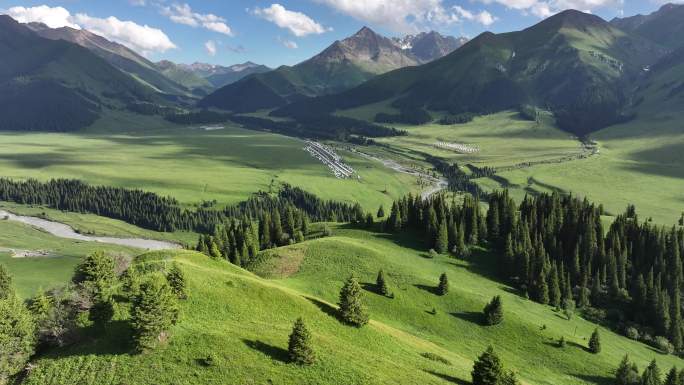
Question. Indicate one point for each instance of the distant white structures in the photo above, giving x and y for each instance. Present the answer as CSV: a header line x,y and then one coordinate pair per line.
x,y
458,147
328,156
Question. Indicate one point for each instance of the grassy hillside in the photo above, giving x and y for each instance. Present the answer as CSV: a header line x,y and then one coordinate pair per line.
x,y
242,322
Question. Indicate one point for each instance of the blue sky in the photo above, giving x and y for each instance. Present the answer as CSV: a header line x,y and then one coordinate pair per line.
x,y
289,31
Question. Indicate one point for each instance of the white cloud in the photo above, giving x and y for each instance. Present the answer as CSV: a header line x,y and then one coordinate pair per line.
x,y
485,18
398,15
297,23
288,43
183,14
546,8
210,46
56,17
141,38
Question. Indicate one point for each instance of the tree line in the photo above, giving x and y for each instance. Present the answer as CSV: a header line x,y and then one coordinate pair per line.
x,y
154,212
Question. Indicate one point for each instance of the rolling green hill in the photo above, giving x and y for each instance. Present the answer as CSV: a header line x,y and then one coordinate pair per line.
x,y
66,83
573,63
235,324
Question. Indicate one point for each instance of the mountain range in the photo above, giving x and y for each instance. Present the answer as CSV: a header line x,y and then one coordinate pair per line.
x,y
343,65
577,65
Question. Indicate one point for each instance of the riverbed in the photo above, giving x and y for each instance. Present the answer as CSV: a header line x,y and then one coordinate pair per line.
x,y
62,230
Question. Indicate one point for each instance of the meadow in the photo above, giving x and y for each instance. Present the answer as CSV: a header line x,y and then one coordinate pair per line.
x,y
234,325
191,164
33,273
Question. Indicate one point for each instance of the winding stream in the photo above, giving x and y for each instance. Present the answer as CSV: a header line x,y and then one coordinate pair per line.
x,y
62,230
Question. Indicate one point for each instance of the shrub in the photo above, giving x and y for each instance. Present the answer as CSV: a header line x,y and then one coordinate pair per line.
x,y
664,345
632,333
436,358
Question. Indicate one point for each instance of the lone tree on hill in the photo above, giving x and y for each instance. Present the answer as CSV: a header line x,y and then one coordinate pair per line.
x,y
352,310
493,311
443,286
595,342
155,310
299,346
381,285
176,280
488,369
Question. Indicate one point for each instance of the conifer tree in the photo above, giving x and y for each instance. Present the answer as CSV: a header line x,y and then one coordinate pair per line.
x,y
154,311
651,375
493,311
277,231
542,289
381,285
626,373
17,336
40,305
102,310
461,249
352,309
176,279
672,377
442,238
5,283
555,296
381,212
595,342
299,346
509,378
443,286
488,369
97,268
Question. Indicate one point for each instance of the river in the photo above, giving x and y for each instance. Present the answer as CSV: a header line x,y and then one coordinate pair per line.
x,y
62,230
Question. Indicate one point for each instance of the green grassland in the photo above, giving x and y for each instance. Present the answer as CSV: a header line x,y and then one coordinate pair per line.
x,y
242,321
31,273
640,163
191,165
503,139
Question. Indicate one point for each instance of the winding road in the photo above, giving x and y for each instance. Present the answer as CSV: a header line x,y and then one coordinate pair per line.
x,y
62,230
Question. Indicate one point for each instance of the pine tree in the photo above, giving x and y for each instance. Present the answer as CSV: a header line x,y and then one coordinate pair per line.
x,y
5,283
381,212
40,305
672,377
352,310
651,375
381,285
176,279
493,311
595,342
626,373
555,296
542,289
17,337
154,311
97,268
442,238
443,286
461,249
277,232
509,378
299,346
488,369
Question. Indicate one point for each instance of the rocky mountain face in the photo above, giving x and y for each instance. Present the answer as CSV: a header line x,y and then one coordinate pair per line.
x,y
664,27
429,46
